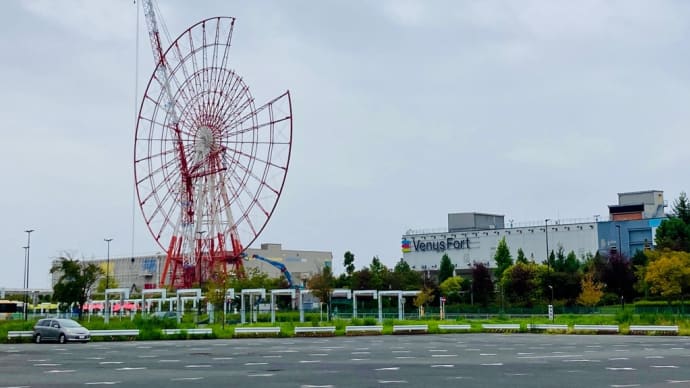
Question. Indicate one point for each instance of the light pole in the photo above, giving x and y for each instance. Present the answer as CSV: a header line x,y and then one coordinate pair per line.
x,y
551,287
26,283
107,265
200,248
546,229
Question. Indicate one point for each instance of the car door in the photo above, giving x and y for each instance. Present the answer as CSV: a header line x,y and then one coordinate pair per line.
x,y
53,330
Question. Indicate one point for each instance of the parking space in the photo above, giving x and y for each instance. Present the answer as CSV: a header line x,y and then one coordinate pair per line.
x,y
416,360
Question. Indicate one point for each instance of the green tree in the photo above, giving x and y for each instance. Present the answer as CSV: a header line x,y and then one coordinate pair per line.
x,y
446,269
405,278
422,299
521,284
681,208
218,286
521,257
673,234
379,273
668,273
321,285
349,263
502,258
112,283
571,264
451,288
75,281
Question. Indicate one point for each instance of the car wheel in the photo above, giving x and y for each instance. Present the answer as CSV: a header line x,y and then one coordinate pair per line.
x,y
62,339
37,339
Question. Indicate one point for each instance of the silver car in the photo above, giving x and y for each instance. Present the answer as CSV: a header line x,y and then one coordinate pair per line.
x,y
60,330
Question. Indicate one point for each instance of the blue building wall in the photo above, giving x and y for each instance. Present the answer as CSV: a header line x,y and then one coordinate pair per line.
x,y
626,236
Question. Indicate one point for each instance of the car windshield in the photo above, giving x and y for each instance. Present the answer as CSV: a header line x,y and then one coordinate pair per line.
x,y
69,324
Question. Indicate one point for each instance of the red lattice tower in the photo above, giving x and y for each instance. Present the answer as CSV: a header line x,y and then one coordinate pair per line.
x,y
209,165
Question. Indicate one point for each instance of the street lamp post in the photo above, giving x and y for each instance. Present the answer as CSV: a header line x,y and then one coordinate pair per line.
x,y
546,229
24,281
199,259
107,265
26,275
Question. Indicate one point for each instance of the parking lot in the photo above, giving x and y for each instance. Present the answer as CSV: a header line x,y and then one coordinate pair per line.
x,y
475,360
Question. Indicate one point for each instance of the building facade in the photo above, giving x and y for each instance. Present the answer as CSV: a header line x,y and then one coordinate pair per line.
x,y
473,237
144,272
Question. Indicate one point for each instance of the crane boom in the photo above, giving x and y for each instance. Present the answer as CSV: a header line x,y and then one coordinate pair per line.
x,y
283,269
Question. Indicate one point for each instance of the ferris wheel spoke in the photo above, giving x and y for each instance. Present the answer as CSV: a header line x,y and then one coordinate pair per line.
x,y
239,203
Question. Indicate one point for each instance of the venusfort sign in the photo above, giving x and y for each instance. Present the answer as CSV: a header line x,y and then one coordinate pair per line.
x,y
439,246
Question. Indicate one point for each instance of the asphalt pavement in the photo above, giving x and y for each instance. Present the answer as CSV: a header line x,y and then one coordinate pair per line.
x,y
467,360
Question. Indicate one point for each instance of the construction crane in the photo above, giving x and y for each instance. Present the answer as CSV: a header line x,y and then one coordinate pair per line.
x,y
283,269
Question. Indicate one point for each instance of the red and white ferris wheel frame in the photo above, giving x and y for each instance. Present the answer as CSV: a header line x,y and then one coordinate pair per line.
x,y
209,166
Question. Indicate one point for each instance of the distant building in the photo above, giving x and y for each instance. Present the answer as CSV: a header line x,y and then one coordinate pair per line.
x,y
473,237
143,272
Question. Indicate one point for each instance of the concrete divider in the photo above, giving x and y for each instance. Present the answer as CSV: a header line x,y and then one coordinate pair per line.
x,y
455,327
597,328
256,331
363,329
653,329
409,329
315,330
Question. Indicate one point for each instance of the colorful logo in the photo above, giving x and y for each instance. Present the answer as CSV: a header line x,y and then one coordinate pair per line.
x,y
406,245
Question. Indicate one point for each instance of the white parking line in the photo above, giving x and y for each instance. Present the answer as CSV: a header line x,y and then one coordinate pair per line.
x,y
47,364
625,368
677,381
443,366
186,378
103,383
389,368
132,368
168,360
493,364
444,355
624,385
231,358
392,381
197,366
60,371
317,386
255,363
664,366
110,362
309,361
261,375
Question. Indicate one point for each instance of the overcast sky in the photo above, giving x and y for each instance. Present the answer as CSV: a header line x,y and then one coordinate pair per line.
x,y
404,111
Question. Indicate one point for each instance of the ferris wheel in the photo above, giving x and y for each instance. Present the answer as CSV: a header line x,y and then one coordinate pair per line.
x,y
209,164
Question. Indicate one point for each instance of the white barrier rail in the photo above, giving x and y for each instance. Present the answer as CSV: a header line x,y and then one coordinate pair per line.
x,y
257,330
540,326
410,328
363,329
455,327
652,328
19,334
114,333
597,328
315,329
504,326
205,331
